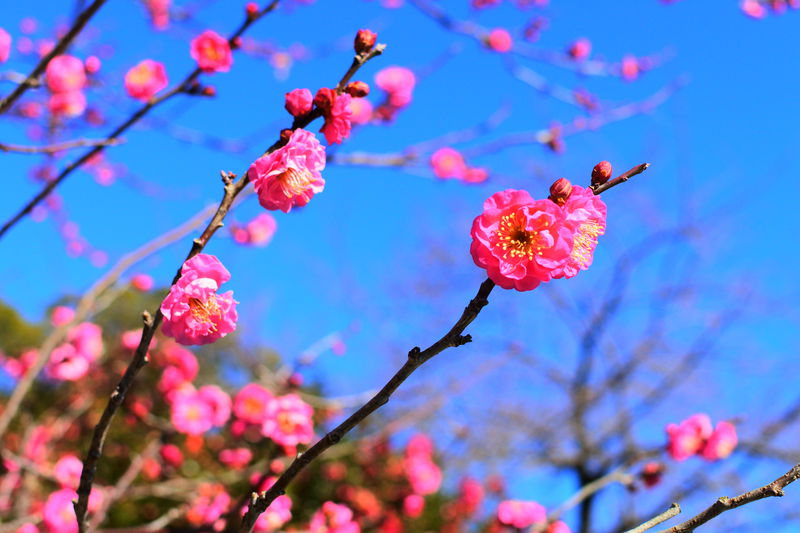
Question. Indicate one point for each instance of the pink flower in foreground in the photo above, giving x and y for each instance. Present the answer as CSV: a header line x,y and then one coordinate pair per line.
x,y
499,40
398,82
211,502
298,102
250,403
721,443
333,518
190,413
448,163
288,421
336,111
193,311
145,79
688,437
142,282
67,471
5,45
65,73
586,218
67,104
235,458
558,527
219,402
520,514
290,176
520,241
212,52
61,315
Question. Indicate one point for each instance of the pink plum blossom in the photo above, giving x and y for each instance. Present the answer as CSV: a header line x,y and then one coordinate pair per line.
x,y
65,73
159,12
58,515
558,527
235,458
398,82
92,64
361,111
448,163
419,445
145,79
298,102
580,49
37,445
212,52
290,176
470,495
18,367
688,437
67,104
333,518
288,421
336,112
250,403
721,443
209,504
423,474
630,68
257,232
142,282
499,40
277,514
172,455
219,402
586,217
71,361
413,505
5,45
67,471
194,313
520,241
61,315
190,413
520,514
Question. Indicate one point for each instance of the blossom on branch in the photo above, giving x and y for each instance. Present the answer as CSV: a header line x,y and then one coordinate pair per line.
x,y
333,518
520,514
193,311
212,52
299,102
288,421
336,111
586,218
145,79
290,176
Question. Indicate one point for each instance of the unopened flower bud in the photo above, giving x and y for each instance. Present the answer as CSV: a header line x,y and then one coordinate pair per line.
x,y
560,191
236,43
601,173
251,9
365,40
651,473
357,89
209,90
285,135
324,99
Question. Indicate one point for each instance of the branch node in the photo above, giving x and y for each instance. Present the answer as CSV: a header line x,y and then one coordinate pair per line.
x,y
414,353
461,340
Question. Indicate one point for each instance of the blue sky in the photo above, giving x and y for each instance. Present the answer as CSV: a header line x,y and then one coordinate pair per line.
x,y
723,151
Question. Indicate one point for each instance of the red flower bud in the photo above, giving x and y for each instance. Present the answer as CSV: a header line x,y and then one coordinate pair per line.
x,y
236,43
601,173
560,191
324,100
251,9
285,135
357,89
209,90
365,40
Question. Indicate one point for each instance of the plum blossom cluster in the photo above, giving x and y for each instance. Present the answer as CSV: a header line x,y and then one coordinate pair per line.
x,y
65,77
333,518
449,163
145,79
522,242
697,436
520,514
758,9
286,419
423,474
72,360
194,313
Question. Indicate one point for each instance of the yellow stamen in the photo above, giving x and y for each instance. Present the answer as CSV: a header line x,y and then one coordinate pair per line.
x,y
295,181
205,312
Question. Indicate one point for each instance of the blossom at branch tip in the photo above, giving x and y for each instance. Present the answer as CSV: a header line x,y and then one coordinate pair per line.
x,y
586,219
580,49
65,73
398,82
194,313
520,241
333,518
336,112
212,52
520,514
142,282
145,79
688,437
290,176
5,45
288,421
721,443
499,40
298,102
61,315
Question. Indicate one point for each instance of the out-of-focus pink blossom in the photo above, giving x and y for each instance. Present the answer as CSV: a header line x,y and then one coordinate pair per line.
x,y
448,163
688,437
219,402
159,12
209,504
520,241
190,413
71,360
250,403
470,495
142,282
145,79
753,9
424,476
5,45
333,518
298,102
212,52
277,514
257,232
290,176
92,64
58,515
398,82
172,455
558,527
235,458
586,218
580,49
61,315
520,514
37,445
413,505
67,471
360,111
630,68
288,421
499,40
67,104
194,313
65,73
721,443
18,367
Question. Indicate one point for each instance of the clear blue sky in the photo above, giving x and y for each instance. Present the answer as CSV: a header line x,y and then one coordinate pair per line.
x,y
723,150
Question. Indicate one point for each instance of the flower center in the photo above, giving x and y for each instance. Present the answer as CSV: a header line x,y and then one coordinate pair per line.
x,y
285,423
515,240
585,242
205,312
295,182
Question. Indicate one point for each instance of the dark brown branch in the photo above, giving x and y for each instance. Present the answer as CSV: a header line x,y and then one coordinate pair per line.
x,y
674,510
33,78
185,86
231,190
726,504
416,358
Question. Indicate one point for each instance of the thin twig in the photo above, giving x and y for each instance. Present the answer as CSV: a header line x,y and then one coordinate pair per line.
x,y
63,43
622,178
58,147
674,510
